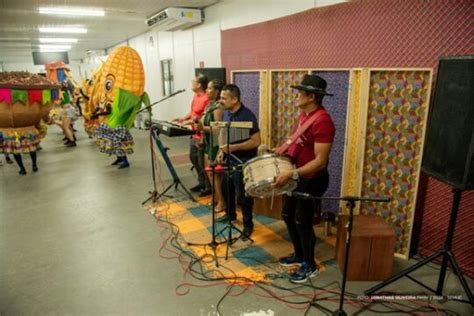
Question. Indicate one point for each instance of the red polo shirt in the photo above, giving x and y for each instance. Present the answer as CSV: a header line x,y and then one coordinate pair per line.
x,y
321,131
198,105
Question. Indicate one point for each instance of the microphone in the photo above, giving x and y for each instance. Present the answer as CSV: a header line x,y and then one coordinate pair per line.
x,y
179,91
376,199
366,199
299,195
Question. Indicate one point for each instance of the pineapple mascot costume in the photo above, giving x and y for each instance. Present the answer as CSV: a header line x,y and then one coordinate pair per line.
x,y
121,94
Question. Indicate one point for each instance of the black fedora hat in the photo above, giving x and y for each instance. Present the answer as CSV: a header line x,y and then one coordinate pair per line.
x,y
313,84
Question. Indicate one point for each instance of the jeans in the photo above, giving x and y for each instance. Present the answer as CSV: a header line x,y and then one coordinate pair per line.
x,y
298,215
235,181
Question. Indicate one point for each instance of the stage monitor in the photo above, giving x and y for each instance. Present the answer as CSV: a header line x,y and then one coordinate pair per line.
x,y
212,73
42,58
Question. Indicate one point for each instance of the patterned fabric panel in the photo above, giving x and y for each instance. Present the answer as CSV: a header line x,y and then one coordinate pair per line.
x,y
284,112
350,176
249,84
338,84
264,110
395,125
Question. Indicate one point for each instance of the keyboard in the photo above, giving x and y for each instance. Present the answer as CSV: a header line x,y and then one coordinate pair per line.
x,y
171,129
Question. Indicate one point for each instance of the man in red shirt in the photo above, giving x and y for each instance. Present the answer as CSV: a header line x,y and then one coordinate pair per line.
x,y
196,154
310,154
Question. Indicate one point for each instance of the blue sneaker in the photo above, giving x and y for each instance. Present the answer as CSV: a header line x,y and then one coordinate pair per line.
x,y
304,272
290,261
124,163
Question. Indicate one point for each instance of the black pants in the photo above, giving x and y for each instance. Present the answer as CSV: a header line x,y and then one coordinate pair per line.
x,y
298,215
196,155
236,188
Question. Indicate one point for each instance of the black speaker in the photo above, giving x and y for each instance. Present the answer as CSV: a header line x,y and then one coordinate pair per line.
x,y
211,73
449,145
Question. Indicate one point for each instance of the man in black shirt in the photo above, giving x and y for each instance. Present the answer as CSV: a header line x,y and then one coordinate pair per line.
x,y
243,150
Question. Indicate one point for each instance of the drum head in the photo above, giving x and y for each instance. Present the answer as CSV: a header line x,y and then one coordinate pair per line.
x,y
263,189
266,156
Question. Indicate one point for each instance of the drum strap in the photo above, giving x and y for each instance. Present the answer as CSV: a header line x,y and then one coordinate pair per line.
x,y
301,129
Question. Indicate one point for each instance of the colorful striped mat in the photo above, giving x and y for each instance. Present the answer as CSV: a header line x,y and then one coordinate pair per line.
x,y
246,259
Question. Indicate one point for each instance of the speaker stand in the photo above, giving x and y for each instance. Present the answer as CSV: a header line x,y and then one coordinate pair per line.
x,y
445,253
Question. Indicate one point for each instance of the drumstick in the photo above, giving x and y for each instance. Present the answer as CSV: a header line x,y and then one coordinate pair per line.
x,y
271,202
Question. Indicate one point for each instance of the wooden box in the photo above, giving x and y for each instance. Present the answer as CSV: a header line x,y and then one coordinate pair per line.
x,y
371,250
265,207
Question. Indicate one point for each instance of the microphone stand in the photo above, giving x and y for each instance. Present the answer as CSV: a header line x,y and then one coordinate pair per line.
x,y
230,172
351,200
213,243
159,101
154,194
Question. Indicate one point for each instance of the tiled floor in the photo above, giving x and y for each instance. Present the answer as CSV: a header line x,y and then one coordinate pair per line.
x,y
75,240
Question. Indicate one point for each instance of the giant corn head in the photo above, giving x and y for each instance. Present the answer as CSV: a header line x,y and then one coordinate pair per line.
x,y
90,88
121,86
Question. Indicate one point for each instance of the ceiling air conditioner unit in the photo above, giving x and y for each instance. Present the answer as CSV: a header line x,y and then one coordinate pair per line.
x,y
172,19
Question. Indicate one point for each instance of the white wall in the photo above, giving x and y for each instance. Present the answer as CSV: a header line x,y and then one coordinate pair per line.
x,y
236,13
74,67
87,67
202,44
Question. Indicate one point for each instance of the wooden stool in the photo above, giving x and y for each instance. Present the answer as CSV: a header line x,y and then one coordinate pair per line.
x,y
371,251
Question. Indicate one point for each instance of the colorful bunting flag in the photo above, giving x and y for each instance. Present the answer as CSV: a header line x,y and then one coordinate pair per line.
x,y
6,96
19,95
46,96
35,96
54,94
52,75
61,75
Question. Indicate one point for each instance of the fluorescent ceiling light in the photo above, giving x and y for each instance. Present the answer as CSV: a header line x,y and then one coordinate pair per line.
x,y
57,40
63,47
72,11
44,50
77,30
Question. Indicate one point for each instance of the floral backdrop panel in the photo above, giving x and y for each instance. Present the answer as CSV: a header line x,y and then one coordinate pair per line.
x,y
249,84
396,120
337,84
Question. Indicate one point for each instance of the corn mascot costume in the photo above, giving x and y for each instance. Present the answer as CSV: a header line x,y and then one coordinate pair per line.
x,y
121,90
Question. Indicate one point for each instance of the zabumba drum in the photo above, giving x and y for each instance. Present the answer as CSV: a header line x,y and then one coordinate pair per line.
x,y
260,172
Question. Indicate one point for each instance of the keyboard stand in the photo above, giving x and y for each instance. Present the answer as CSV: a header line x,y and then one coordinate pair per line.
x,y
155,196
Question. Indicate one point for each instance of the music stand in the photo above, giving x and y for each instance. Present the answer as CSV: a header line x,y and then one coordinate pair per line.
x,y
445,253
351,204
213,243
